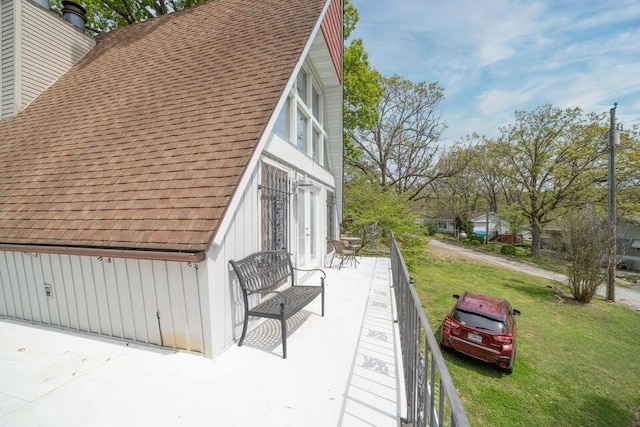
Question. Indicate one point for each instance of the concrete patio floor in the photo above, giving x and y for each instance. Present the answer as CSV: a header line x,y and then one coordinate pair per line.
x,y
342,370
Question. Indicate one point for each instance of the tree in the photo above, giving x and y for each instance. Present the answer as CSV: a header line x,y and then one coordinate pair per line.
x,y
361,83
401,149
372,212
487,166
106,15
551,156
459,193
514,220
586,237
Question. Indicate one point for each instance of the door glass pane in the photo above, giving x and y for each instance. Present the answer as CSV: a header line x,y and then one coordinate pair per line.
x,y
302,132
301,228
312,224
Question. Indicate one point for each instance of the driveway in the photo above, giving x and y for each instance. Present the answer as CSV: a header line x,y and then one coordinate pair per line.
x,y
626,296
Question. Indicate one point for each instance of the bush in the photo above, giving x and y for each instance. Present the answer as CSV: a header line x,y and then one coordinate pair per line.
x,y
508,250
430,228
477,238
475,243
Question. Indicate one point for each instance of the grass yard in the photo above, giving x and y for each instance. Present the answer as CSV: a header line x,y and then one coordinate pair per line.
x,y
576,365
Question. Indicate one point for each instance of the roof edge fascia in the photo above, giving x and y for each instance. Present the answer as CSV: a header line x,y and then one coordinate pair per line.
x,y
218,234
194,257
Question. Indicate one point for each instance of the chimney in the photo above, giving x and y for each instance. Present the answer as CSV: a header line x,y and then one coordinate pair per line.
x,y
43,3
28,22
74,14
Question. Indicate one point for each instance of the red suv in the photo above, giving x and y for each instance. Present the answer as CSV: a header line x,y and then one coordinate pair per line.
x,y
483,327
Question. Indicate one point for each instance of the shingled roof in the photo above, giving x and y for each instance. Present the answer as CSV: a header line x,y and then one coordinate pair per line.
x,y
143,142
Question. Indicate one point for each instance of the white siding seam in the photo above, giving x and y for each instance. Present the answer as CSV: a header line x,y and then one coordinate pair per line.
x,y
186,312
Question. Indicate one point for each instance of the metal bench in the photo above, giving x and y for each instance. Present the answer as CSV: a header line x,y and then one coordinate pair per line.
x,y
267,273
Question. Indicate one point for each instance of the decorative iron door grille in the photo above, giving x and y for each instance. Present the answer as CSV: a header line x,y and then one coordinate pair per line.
x,y
275,208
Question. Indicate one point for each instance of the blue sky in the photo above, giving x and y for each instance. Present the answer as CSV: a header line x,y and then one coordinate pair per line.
x,y
494,57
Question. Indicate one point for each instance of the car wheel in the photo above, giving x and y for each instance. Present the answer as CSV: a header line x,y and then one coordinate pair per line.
x,y
509,368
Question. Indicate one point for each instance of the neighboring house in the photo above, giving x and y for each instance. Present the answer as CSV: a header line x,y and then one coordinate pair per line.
x,y
497,226
132,171
628,249
443,225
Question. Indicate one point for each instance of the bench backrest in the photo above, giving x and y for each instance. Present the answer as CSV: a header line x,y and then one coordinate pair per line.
x,y
263,270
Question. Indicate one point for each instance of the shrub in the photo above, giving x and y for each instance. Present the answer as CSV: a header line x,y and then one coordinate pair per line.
x,y
475,243
477,238
508,250
430,228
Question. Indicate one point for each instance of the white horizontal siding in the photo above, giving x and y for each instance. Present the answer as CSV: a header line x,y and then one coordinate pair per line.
x,y
6,59
49,48
120,298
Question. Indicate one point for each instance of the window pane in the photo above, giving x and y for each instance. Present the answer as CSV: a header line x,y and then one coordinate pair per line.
x,y
282,126
477,321
315,104
316,146
301,85
303,139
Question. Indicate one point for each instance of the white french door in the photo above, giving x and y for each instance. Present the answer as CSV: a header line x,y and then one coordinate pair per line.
x,y
307,226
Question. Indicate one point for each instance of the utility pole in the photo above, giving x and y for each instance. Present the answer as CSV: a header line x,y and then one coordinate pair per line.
x,y
611,277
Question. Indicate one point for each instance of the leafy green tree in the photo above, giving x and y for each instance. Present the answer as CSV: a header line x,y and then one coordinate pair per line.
x,y
401,150
486,165
361,83
552,156
513,218
105,15
460,192
372,212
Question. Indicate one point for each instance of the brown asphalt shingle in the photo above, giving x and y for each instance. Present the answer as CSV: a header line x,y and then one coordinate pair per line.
x,y
142,143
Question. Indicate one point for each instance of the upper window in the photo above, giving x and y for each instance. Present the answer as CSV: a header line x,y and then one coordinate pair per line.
x,y
302,116
283,122
301,86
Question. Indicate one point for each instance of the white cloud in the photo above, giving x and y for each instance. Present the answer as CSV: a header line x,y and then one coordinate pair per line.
x,y
496,100
496,57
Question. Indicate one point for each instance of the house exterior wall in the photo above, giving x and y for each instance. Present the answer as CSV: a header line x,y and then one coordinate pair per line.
x,y
50,46
628,233
225,303
6,58
37,48
149,302
225,300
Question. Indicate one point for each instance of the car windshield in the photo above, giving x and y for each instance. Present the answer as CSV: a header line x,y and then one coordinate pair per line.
x,y
479,322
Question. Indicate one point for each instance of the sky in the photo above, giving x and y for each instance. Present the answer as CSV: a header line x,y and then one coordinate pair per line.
x,y
494,57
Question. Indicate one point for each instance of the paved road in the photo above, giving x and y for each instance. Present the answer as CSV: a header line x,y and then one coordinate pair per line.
x,y
628,296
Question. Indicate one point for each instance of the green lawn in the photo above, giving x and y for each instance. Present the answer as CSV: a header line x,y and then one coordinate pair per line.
x,y
576,365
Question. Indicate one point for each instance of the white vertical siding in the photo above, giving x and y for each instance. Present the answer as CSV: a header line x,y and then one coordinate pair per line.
x,y
241,239
49,47
6,58
333,125
153,302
